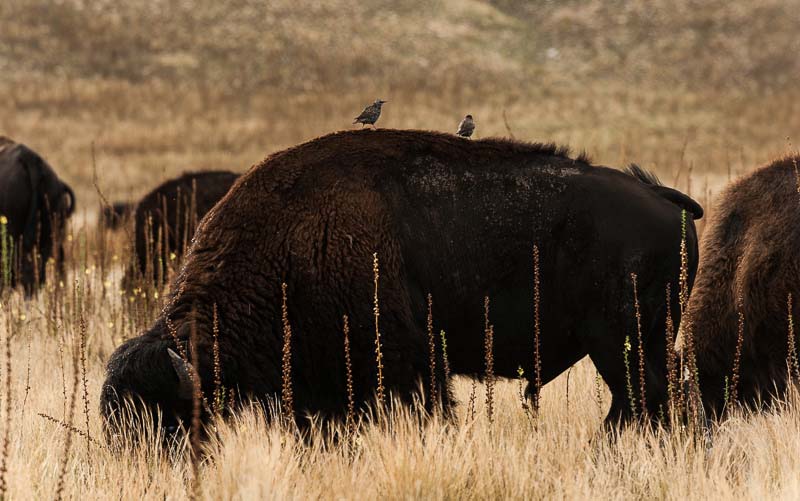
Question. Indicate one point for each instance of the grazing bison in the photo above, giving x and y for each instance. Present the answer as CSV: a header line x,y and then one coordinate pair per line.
x,y
36,203
114,215
447,216
750,248
180,203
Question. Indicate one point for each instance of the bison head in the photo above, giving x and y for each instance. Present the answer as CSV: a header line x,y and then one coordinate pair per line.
x,y
148,386
114,215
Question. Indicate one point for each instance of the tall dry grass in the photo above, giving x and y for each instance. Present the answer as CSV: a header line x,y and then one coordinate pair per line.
x,y
562,453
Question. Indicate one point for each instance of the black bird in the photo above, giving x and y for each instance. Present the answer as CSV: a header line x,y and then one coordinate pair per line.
x,y
371,114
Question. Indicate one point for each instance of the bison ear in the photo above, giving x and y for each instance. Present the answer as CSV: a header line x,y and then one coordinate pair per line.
x,y
185,373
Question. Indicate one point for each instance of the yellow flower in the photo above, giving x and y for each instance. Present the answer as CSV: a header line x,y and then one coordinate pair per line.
x,y
3,220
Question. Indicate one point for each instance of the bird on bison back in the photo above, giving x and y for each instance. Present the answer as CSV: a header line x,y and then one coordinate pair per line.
x,y
466,127
454,219
371,114
749,264
36,205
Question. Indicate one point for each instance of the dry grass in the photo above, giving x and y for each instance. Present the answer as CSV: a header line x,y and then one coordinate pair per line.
x,y
560,454
700,91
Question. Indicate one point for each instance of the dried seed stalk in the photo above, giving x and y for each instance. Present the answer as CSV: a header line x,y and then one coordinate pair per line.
x,y
445,360
431,352
489,360
219,391
287,401
791,352
350,422
639,344
377,313
739,342
537,360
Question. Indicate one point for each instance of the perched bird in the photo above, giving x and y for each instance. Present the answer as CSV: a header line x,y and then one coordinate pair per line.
x,y
371,114
466,127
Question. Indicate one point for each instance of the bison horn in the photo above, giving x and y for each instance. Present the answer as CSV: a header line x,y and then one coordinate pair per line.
x,y
185,373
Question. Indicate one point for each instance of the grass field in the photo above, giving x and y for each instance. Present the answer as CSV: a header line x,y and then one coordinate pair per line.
x,y
698,91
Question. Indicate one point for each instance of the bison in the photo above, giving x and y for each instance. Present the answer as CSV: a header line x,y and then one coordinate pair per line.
x,y
36,204
180,203
445,216
113,216
748,265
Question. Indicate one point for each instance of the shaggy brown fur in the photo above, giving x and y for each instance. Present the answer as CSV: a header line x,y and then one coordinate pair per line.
x,y
181,202
447,216
751,241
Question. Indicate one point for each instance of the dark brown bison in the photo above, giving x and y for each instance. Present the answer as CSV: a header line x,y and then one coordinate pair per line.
x,y
179,202
37,204
447,216
750,247
115,215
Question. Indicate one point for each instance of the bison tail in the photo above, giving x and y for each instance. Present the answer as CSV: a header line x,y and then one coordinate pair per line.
x,y
681,200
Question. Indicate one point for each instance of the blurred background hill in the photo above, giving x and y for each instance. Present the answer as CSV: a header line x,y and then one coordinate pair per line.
x,y
707,88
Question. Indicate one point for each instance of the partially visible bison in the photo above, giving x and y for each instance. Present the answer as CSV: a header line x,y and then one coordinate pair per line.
x,y
115,215
166,218
37,204
447,216
750,249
